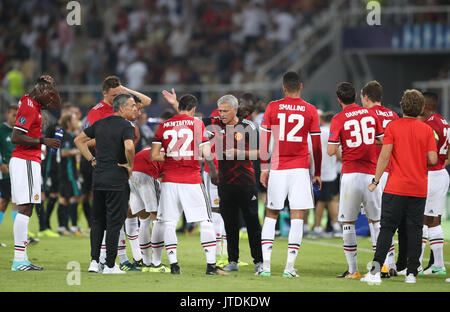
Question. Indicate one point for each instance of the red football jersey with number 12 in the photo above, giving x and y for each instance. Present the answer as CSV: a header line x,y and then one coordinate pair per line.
x,y
290,120
356,128
28,120
441,127
181,137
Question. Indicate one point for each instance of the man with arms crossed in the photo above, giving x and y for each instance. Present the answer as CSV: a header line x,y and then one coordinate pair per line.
x,y
356,129
25,163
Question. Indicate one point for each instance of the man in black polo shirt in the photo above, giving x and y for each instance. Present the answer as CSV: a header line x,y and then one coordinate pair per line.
x,y
236,143
113,164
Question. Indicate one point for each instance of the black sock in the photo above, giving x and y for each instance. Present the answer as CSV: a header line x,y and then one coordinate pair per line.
x,y
41,217
51,201
73,213
63,216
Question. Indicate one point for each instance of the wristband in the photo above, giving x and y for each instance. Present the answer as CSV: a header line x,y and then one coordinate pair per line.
x,y
92,159
375,182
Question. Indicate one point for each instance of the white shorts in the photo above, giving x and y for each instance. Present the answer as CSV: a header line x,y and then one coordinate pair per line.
x,y
354,192
295,184
211,189
438,182
144,192
182,197
25,181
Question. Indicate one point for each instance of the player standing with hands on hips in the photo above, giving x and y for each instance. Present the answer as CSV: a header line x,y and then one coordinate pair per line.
x,y
25,163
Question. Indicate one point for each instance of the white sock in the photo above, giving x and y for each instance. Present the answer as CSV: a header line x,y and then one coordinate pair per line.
x,y
374,232
267,237
424,242
350,246
20,229
132,230
103,249
170,241
145,243
208,241
157,242
217,222
122,246
436,238
294,241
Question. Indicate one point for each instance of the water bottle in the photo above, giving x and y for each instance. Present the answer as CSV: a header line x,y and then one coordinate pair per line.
x,y
58,135
316,190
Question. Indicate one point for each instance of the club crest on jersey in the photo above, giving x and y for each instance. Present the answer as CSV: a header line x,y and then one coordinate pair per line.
x,y
238,136
22,121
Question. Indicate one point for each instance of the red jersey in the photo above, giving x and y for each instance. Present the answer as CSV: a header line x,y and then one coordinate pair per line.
x,y
99,111
143,163
28,120
385,115
411,140
290,120
181,137
356,128
441,128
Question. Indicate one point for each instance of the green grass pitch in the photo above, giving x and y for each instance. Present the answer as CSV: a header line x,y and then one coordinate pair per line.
x,y
318,263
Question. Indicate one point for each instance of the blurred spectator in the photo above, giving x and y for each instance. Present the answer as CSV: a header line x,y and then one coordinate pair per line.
x,y
135,74
13,82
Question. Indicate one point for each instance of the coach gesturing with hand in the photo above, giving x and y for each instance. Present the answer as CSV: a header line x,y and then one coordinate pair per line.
x,y
114,137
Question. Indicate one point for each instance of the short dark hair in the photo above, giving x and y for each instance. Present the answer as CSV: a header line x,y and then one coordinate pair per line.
x,y
167,114
187,102
412,103
12,107
373,90
346,93
120,100
431,101
110,82
292,81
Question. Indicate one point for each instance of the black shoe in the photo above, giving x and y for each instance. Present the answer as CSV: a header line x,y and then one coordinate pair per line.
x,y
32,240
138,264
393,272
175,268
343,275
212,269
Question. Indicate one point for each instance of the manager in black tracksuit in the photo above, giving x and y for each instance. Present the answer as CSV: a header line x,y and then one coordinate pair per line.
x,y
113,164
236,143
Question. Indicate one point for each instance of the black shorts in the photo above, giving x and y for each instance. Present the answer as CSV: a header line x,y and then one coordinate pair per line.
x,y
5,188
86,175
68,189
328,191
50,184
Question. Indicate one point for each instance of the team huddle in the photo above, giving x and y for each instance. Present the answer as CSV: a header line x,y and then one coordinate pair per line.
x,y
159,184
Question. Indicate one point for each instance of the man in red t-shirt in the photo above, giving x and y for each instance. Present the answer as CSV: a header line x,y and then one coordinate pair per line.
x,y
438,183
410,147
290,121
25,163
357,129
371,96
183,138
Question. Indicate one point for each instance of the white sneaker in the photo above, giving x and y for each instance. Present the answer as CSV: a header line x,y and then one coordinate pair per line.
x,y
372,279
447,280
290,273
94,267
115,270
410,279
402,272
